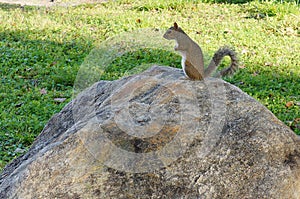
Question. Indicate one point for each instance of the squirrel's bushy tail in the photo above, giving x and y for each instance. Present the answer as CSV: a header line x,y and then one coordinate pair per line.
x,y
217,58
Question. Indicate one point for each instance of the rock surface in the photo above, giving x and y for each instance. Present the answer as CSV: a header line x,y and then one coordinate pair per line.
x,y
157,135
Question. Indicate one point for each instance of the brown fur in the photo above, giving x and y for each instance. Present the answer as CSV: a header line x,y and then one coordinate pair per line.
x,y
191,72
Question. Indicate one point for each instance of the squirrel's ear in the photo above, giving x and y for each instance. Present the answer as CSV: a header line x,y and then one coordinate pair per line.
x,y
175,26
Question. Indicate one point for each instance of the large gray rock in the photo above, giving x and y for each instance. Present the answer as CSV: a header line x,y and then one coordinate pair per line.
x,y
158,135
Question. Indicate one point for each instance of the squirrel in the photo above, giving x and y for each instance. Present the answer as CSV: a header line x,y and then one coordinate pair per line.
x,y
192,57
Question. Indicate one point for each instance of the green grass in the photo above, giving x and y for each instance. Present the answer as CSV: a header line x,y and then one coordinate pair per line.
x,y
42,49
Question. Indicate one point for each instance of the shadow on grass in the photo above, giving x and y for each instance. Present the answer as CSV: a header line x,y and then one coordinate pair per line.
x,y
41,60
33,74
138,61
13,6
275,90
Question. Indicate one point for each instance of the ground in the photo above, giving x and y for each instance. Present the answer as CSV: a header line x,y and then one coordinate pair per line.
x,y
49,3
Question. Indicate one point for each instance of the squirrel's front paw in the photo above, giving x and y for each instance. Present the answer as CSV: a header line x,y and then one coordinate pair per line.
x,y
184,78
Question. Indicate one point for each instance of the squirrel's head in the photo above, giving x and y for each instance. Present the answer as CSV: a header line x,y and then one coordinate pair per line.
x,y
173,32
